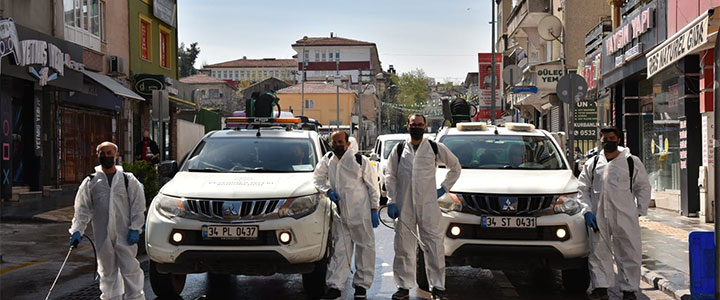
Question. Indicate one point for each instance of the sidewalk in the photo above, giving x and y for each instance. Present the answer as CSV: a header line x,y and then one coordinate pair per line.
x,y
665,250
33,210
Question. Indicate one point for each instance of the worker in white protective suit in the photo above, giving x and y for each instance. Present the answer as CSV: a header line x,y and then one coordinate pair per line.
x,y
115,203
412,197
351,182
615,191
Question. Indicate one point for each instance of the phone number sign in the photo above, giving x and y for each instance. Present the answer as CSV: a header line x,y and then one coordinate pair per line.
x,y
586,126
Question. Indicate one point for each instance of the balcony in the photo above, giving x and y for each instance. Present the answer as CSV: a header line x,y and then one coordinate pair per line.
x,y
527,13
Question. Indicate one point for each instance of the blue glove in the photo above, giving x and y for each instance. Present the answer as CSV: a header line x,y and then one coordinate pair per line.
x,y
440,192
334,197
133,237
375,218
591,221
393,211
75,239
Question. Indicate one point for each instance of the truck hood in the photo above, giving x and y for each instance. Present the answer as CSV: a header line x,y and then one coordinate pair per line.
x,y
513,181
240,185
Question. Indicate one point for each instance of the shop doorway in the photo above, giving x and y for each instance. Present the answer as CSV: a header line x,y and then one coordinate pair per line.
x,y
81,132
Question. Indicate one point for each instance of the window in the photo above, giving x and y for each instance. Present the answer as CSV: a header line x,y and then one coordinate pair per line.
x,y
265,74
215,74
145,38
337,55
324,55
164,46
306,57
85,15
504,152
309,103
317,55
236,155
237,75
225,75
214,93
330,56
272,73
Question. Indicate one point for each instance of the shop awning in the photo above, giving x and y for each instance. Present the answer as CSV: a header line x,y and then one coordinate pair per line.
x,y
112,85
696,36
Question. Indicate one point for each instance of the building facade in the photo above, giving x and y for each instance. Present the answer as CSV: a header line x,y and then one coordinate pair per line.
x,y
252,70
321,102
212,93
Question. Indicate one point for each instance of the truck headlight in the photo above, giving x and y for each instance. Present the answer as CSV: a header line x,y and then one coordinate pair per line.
x,y
170,207
299,207
449,202
568,204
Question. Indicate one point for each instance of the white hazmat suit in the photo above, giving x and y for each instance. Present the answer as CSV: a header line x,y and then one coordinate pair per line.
x,y
411,186
617,206
113,212
359,192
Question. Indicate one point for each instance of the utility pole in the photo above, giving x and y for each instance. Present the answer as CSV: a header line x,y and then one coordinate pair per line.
x,y
337,93
492,82
716,145
360,115
302,92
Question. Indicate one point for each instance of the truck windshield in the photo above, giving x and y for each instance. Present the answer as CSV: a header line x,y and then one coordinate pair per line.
x,y
505,152
252,155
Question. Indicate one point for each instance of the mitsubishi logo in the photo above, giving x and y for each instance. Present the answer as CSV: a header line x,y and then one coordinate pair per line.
x,y
509,204
229,209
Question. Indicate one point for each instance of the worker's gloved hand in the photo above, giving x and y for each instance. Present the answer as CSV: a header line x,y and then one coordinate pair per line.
x,y
591,221
133,237
334,197
440,192
375,218
393,211
75,239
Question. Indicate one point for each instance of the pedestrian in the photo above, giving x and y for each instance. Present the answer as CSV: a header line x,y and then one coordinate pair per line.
x,y
351,182
115,202
147,149
410,182
615,190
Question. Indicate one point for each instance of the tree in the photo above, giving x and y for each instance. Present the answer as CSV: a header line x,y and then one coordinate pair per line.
x,y
186,59
412,87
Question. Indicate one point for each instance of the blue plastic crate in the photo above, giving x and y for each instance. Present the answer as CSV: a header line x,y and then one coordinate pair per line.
x,y
702,265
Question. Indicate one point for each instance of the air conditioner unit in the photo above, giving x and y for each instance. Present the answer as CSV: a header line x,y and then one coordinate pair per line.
x,y
116,65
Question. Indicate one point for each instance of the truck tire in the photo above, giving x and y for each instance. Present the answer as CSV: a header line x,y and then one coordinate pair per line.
x,y
166,285
576,280
420,273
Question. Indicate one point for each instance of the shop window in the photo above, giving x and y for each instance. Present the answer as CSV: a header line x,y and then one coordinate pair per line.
x,y
164,47
145,38
664,132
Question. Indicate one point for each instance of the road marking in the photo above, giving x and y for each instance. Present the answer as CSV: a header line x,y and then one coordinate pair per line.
x,y
20,266
506,287
665,229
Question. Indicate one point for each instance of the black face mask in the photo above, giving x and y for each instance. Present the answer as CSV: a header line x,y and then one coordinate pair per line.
x,y
416,133
339,150
609,147
107,162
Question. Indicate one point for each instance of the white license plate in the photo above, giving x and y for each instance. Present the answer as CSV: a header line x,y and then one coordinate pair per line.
x,y
508,222
229,232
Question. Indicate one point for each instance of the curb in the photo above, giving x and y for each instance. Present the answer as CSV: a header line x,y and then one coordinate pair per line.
x,y
664,285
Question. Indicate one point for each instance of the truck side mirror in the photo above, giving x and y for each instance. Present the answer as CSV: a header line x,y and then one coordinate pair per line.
x,y
374,157
168,168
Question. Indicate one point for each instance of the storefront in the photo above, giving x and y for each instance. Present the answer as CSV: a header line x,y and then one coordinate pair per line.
x,y
672,128
39,72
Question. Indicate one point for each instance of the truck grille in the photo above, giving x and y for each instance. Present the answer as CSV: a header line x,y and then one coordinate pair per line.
x,y
233,210
507,205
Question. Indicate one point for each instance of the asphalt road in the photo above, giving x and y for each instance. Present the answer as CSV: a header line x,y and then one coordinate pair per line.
x,y
462,283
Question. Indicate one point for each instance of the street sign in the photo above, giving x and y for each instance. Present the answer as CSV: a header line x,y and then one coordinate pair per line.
x,y
512,75
525,89
571,86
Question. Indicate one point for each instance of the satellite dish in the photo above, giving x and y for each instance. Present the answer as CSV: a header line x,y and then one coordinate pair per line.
x,y
512,75
550,28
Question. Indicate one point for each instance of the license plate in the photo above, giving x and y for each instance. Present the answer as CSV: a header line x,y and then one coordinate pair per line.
x,y
508,222
229,232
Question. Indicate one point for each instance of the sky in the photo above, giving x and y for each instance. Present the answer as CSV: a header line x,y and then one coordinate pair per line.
x,y
440,37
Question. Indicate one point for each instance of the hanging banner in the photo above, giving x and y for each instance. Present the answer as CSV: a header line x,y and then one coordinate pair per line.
x,y
485,80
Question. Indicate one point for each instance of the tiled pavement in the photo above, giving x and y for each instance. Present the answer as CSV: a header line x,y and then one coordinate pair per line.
x,y
665,250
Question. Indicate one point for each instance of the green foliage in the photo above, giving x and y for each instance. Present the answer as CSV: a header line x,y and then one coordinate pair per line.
x,y
147,175
412,87
187,58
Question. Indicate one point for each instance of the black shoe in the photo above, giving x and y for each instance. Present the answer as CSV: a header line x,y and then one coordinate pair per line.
x,y
438,294
598,294
332,294
629,295
401,294
360,293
